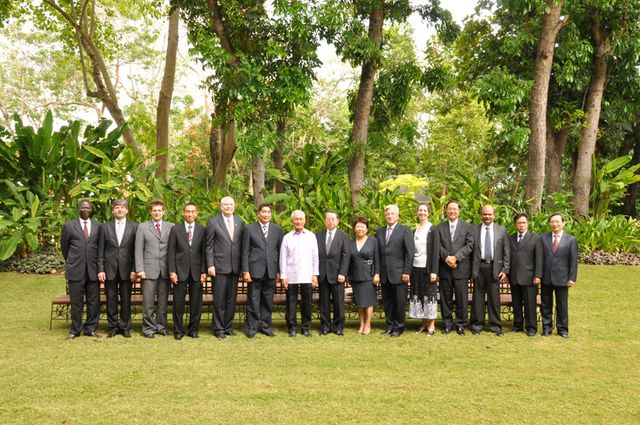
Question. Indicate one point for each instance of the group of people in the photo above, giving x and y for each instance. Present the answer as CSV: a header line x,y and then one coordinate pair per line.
x,y
410,266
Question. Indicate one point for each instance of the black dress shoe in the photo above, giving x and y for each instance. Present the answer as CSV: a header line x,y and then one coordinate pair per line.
x,y
446,331
460,331
162,333
220,335
516,330
71,337
394,334
193,335
323,333
149,335
178,336
475,332
250,336
267,333
531,333
387,332
305,332
546,332
230,333
112,333
564,334
292,334
339,333
126,334
499,333
93,334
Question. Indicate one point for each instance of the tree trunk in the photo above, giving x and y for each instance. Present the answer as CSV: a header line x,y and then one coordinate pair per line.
x,y
360,130
582,178
556,143
551,25
278,153
257,174
166,93
629,206
214,141
228,146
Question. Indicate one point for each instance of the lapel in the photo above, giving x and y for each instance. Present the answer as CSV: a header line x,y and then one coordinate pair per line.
x,y
78,228
223,226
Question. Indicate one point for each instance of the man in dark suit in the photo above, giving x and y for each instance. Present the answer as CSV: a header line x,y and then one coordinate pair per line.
x,y
224,261
524,275
79,242
333,256
116,267
396,261
260,252
559,274
455,248
490,268
187,264
152,240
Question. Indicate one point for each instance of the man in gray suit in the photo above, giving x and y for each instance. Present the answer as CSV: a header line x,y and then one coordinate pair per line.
x,y
79,243
260,252
224,261
152,239
455,248
116,267
187,264
559,274
489,269
397,247
525,272
333,256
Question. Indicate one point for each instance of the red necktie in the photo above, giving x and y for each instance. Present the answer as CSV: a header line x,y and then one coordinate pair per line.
x,y
158,232
555,243
86,232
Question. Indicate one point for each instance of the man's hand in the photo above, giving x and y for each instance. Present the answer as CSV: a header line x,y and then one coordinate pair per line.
x,y
376,279
571,283
536,281
133,276
102,276
285,283
173,278
433,278
203,278
314,281
405,278
502,277
212,271
141,275
341,278
246,276
452,261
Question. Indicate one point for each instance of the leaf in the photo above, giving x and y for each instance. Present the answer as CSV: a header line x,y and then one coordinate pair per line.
x,y
8,246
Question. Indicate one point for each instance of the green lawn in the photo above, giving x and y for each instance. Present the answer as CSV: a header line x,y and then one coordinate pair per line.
x,y
593,377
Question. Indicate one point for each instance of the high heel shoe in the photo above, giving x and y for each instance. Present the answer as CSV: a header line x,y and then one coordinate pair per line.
x,y
421,329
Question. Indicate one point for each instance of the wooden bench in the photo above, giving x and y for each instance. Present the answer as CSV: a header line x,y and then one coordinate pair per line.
x,y
61,304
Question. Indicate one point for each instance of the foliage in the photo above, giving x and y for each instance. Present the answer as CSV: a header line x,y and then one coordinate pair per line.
x,y
41,263
608,189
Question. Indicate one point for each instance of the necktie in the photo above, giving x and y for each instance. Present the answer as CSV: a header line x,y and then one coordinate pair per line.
x,y
453,231
158,231
119,231
329,240
488,255
386,241
555,243
229,228
190,234
520,236
265,230
86,232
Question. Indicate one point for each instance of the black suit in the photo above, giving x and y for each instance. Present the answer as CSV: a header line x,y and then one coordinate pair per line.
x,y
225,254
117,262
188,261
396,259
526,264
81,257
559,268
455,279
485,274
332,263
260,258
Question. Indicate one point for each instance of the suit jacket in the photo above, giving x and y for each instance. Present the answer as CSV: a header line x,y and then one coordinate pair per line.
x,y
81,256
526,259
260,254
336,261
432,242
363,264
184,259
562,266
117,260
151,250
396,257
223,253
461,247
500,249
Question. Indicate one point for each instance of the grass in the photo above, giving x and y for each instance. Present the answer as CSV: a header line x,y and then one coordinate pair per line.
x,y
590,378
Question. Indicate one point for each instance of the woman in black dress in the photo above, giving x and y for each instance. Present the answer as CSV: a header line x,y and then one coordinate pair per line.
x,y
364,272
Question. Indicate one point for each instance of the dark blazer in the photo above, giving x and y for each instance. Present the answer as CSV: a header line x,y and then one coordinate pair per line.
x,y
151,251
80,255
336,261
526,259
461,247
396,257
500,249
113,259
561,267
433,242
260,254
184,259
363,264
223,253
